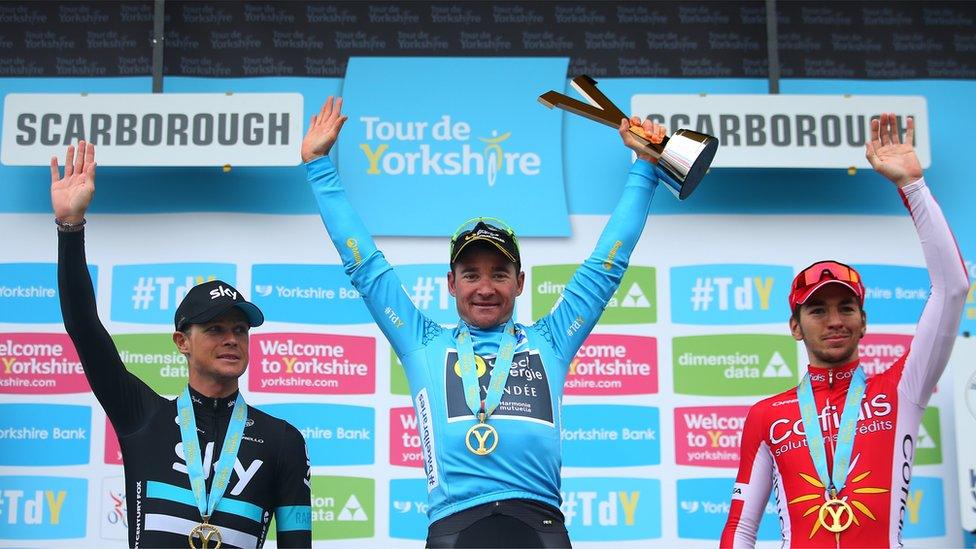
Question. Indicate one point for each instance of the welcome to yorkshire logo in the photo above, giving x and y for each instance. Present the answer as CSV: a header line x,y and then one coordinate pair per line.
x,y
398,148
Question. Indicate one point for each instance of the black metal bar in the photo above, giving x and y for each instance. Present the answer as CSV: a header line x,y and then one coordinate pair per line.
x,y
158,38
772,46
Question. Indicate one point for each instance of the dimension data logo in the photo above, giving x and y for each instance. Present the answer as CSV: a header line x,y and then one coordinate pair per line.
x,y
43,507
336,434
150,294
312,363
708,436
703,507
456,127
44,434
614,365
610,436
307,294
29,292
155,360
427,287
734,365
894,294
728,294
408,509
343,507
634,302
40,363
612,509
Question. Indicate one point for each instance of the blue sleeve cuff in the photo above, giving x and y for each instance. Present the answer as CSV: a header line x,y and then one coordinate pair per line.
x,y
319,166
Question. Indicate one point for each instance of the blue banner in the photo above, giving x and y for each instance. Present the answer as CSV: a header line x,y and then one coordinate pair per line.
x,y
43,507
730,294
703,508
894,294
610,509
44,434
335,434
150,294
29,292
925,509
611,436
408,508
427,287
307,294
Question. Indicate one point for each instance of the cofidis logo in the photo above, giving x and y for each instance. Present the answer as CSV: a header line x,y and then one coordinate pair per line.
x,y
44,434
734,365
40,364
307,294
427,287
703,508
150,294
614,365
924,509
610,436
312,363
634,302
878,352
728,294
708,436
336,434
43,507
894,294
405,443
343,507
612,509
154,359
29,292
456,126
408,509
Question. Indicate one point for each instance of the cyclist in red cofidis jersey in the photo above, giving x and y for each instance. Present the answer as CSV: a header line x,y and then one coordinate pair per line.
x,y
837,451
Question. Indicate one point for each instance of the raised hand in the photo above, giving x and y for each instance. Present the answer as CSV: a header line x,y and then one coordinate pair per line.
x,y
323,130
71,194
890,157
652,132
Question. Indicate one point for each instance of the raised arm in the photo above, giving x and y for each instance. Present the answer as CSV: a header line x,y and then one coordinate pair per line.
x,y
939,324
126,399
594,282
370,272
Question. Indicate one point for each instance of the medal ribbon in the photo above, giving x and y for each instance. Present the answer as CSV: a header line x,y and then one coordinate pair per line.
x,y
845,433
194,458
499,374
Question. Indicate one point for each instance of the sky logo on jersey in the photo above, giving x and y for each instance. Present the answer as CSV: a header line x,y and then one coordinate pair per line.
x,y
40,364
614,365
928,443
29,292
703,508
114,517
405,448
343,507
728,293
336,434
44,434
734,365
634,302
924,509
113,450
43,507
408,509
418,153
708,436
612,509
307,294
427,287
150,294
894,294
154,359
312,363
611,436
879,351
398,376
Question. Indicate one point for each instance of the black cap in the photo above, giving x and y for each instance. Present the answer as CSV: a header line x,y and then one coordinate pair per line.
x,y
502,239
205,302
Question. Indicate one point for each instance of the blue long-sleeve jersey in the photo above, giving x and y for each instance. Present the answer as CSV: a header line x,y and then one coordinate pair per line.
x,y
527,460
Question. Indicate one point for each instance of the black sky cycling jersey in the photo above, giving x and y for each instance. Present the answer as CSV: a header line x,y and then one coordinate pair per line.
x,y
270,475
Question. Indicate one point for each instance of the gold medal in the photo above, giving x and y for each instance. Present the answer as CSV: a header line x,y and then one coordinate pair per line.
x,y
836,515
485,436
206,532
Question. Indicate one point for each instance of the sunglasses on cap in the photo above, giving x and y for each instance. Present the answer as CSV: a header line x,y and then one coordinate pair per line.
x,y
470,224
825,269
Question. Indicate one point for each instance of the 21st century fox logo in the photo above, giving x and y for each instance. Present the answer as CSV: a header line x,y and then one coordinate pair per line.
x,y
399,148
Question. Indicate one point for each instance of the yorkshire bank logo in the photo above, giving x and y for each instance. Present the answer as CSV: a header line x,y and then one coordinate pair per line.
x,y
728,293
343,507
44,434
734,365
634,302
703,509
29,292
40,508
335,434
40,363
924,509
150,294
405,442
155,360
408,509
612,509
878,352
307,294
708,436
312,363
894,294
610,436
614,365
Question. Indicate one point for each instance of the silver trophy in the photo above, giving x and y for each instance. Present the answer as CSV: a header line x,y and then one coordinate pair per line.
x,y
681,159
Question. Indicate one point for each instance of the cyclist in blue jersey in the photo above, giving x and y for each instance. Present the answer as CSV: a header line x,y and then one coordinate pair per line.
x,y
487,392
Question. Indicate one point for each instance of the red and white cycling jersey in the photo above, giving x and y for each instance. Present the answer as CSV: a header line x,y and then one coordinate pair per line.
x,y
774,454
